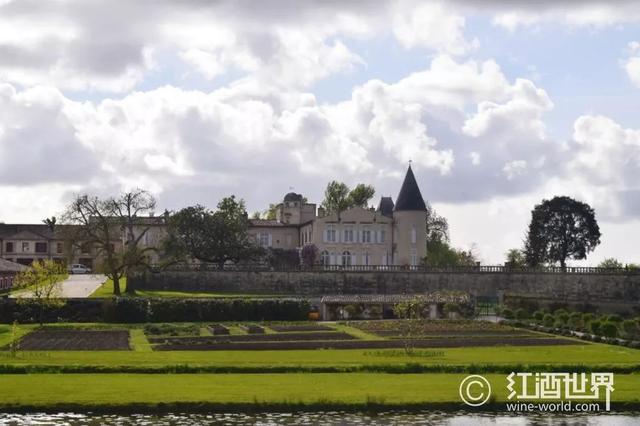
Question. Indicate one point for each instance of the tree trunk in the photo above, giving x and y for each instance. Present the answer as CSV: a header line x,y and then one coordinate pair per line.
x,y
563,264
116,285
131,289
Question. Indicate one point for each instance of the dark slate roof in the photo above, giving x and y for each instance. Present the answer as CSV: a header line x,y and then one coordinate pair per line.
x,y
292,196
435,297
7,266
9,230
386,206
410,197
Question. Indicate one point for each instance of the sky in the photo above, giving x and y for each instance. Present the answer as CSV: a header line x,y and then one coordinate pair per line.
x,y
498,105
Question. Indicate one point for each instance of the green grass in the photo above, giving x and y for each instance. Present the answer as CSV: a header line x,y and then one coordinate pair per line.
x,y
592,354
356,389
106,290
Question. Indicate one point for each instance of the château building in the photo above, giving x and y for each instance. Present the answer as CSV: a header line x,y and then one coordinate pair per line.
x,y
392,234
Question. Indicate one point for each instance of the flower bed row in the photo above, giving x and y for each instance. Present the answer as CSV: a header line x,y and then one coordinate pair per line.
x,y
433,326
459,333
364,344
75,340
276,337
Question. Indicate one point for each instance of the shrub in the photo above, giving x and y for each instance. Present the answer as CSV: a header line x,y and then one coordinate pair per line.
x,y
575,320
614,318
521,314
594,326
559,312
562,317
506,313
538,315
587,318
548,320
630,328
609,329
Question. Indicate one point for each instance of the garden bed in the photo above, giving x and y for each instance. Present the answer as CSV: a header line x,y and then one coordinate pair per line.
x,y
435,327
172,330
305,327
218,330
275,337
364,344
75,340
252,328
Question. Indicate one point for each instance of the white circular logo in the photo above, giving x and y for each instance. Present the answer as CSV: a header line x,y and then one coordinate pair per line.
x,y
475,390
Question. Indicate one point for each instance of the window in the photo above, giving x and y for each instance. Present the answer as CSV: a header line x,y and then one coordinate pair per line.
x,y
330,234
348,235
413,235
9,247
383,236
263,239
59,247
365,258
41,247
25,247
366,235
346,258
324,258
414,257
385,259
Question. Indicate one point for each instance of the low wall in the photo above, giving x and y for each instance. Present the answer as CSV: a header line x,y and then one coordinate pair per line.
x,y
608,291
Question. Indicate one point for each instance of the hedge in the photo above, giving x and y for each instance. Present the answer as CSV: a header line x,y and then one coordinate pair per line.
x,y
141,310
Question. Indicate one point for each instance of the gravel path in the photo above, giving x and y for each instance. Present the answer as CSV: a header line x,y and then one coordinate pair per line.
x,y
75,286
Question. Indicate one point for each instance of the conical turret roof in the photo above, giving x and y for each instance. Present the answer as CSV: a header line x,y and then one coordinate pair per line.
x,y
410,197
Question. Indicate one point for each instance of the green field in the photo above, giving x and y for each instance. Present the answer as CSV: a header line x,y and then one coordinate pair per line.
x,y
47,390
278,379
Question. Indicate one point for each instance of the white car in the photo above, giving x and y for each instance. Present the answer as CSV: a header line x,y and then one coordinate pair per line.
x,y
78,269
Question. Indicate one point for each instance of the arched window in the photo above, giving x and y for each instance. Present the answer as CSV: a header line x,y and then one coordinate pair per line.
x,y
346,258
324,258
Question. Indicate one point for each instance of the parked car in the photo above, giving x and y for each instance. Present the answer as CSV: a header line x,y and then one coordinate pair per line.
x,y
78,269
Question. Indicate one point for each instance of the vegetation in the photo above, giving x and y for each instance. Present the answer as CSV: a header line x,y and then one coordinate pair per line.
x,y
43,283
560,229
516,258
309,254
338,197
217,237
412,313
104,223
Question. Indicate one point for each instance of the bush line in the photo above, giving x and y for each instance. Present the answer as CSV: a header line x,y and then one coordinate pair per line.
x,y
408,368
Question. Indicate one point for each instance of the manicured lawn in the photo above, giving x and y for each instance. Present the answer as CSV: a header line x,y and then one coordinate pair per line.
x,y
591,354
106,290
46,390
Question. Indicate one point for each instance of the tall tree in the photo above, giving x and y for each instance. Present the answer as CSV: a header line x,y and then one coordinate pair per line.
x,y
336,198
560,229
437,226
516,258
361,195
209,236
103,223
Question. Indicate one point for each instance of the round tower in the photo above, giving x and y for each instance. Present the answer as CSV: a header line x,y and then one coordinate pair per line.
x,y
409,224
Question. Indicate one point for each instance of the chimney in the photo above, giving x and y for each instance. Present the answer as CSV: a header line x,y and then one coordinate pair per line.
x,y
320,211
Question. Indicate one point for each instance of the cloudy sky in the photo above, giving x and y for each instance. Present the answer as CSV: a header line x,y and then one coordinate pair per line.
x,y
498,106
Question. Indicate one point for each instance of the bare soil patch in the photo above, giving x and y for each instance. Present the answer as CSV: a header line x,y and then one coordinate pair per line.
x,y
76,340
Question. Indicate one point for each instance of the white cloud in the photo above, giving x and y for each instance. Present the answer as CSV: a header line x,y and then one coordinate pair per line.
x,y
431,25
632,65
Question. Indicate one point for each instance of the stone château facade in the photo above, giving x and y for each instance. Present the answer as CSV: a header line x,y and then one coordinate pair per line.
x,y
393,234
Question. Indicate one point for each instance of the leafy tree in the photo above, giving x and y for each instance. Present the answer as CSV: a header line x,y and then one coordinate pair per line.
x,y
361,195
42,284
437,226
516,258
209,236
104,223
440,254
271,212
412,314
283,258
610,263
338,197
50,222
560,229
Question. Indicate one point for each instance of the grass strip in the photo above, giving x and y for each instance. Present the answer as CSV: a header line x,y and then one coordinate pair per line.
x,y
348,391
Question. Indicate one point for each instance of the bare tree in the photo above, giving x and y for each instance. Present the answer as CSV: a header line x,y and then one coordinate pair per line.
x,y
104,223
41,283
